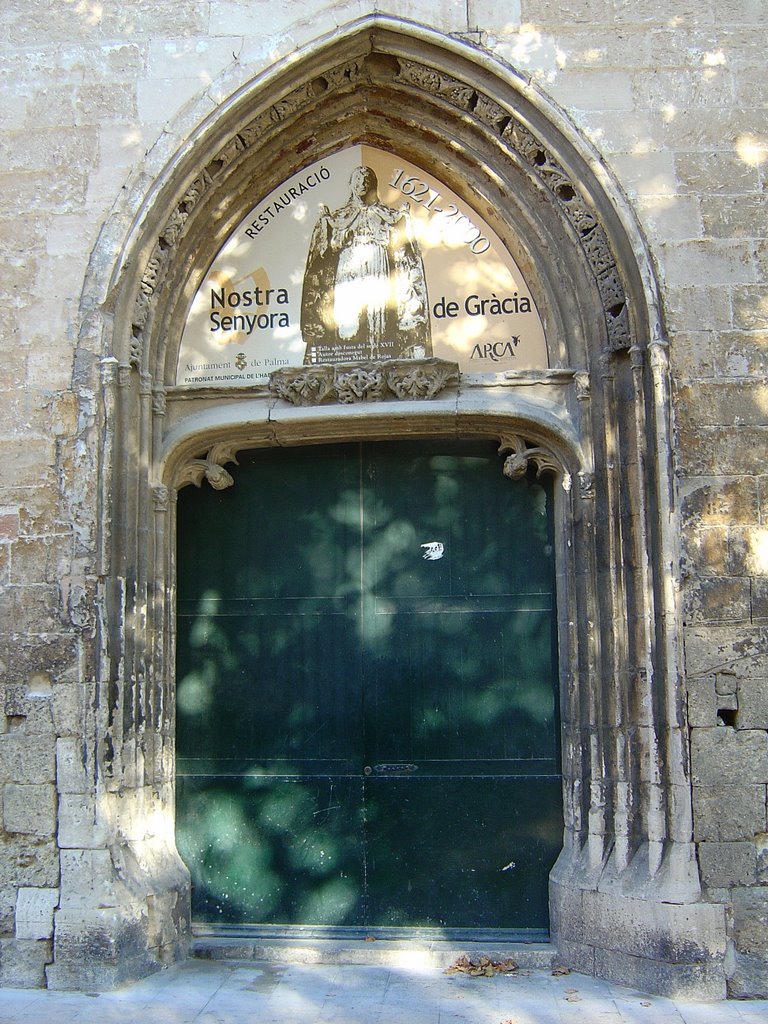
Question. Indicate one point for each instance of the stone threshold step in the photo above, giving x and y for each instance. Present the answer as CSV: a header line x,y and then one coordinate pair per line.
x,y
397,952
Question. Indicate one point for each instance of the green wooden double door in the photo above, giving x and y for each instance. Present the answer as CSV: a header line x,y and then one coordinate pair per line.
x,y
367,713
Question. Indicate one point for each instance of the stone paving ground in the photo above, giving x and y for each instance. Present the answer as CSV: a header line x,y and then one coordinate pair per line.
x,y
204,992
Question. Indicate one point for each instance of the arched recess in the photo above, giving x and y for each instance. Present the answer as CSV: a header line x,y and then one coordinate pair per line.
x,y
624,893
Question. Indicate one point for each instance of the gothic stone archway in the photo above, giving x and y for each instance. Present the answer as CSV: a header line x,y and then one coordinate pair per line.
x,y
624,893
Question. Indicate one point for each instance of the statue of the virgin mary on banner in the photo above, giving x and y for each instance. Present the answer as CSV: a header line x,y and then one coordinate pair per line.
x,y
365,293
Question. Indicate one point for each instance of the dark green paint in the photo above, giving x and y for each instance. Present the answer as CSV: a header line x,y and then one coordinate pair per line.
x,y
366,737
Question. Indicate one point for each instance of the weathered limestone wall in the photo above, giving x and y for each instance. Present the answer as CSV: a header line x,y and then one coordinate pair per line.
x,y
96,97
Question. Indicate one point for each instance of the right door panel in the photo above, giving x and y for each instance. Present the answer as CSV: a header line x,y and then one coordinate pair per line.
x,y
462,810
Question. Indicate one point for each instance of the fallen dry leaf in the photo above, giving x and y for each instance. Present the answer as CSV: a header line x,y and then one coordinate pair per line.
x,y
558,970
482,967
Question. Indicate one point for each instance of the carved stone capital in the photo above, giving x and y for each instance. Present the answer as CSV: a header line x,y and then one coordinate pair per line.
x,y
159,401
160,498
636,357
583,386
658,355
109,367
586,485
364,381
521,453
211,468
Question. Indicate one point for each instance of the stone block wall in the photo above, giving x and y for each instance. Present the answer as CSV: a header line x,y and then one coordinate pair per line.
x,y
94,100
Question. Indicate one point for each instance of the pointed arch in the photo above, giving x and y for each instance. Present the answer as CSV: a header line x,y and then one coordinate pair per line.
x,y
601,415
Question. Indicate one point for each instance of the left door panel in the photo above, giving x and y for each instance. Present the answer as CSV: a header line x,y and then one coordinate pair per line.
x,y
270,808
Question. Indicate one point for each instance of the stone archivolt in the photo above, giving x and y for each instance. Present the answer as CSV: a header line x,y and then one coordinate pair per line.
x,y
401,73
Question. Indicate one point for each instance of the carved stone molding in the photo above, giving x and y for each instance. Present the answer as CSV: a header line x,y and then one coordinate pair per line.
x,y
521,453
364,381
308,386
211,468
136,350
359,383
398,73
408,378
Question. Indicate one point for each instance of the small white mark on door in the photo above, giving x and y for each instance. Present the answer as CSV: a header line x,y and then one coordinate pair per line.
x,y
433,550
